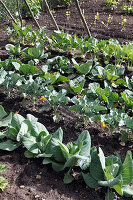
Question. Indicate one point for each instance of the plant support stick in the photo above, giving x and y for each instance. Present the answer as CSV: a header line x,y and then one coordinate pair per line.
x,y
19,13
32,14
8,11
50,14
82,18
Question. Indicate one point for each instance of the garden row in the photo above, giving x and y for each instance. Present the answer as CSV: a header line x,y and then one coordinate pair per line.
x,y
38,5
95,89
95,169
98,88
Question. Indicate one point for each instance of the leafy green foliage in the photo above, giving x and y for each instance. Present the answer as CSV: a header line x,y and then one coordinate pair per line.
x,y
110,172
128,9
77,84
83,68
35,54
34,5
87,108
114,118
3,181
26,34
9,80
103,171
127,97
60,63
53,4
111,4
53,100
13,49
11,5
109,73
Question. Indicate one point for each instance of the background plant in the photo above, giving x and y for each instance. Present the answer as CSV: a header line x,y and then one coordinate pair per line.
x,y
53,4
3,181
111,4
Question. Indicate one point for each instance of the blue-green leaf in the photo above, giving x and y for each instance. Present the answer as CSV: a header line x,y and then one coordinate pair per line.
x,y
9,145
127,172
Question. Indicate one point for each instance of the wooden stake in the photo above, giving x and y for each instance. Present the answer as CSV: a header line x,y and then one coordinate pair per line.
x,y
50,14
8,11
82,18
19,13
32,14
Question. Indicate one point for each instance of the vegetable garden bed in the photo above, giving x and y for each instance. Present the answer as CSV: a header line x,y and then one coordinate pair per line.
x,y
104,86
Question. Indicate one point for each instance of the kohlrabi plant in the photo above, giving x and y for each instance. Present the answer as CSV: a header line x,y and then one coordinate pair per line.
x,y
20,130
60,63
10,64
83,68
53,100
30,88
110,172
86,107
9,80
108,73
77,84
13,49
115,118
35,53
73,154
26,34
127,96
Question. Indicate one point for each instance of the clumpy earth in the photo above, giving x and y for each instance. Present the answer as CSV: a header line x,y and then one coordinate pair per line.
x,y
29,179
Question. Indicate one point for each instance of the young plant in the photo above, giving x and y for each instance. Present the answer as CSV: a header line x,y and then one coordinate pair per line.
x,y
129,82
104,95
109,73
86,107
96,18
26,34
111,4
10,64
10,80
68,15
77,84
114,118
53,100
110,172
20,130
73,154
3,181
60,63
13,122
13,49
83,68
123,22
128,9
29,88
35,54
127,97
108,21
61,40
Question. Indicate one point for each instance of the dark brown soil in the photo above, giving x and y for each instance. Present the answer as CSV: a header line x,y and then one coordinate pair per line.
x,y
28,178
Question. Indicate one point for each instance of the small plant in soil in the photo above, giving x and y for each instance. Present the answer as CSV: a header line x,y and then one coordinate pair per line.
x,y
53,100
3,181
